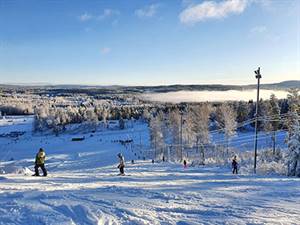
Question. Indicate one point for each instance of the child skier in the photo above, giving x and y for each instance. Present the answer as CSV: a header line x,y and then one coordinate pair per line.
x,y
40,163
234,165
184,164
121,164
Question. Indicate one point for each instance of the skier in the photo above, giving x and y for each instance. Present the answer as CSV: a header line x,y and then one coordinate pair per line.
x,y
234,165
40,163
184,164
121,164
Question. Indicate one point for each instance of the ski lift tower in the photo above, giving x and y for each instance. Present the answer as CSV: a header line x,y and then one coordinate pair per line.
x,y
258,77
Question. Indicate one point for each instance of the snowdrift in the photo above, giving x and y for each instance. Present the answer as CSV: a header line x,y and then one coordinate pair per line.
x,y
14,169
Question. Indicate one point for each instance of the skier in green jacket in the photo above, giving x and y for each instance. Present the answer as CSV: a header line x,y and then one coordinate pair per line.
x,y
40,163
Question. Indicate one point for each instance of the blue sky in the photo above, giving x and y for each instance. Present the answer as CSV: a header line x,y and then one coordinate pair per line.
x,y
138,42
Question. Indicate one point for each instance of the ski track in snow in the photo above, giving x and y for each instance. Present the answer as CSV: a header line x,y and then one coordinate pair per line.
x,y
82,187
153,194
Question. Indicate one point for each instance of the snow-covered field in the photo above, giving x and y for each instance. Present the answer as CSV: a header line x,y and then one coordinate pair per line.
x,y
210,96
83,186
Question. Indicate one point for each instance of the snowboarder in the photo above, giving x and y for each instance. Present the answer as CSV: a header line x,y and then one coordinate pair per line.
x,y
121,164
234,165
40,163
184,164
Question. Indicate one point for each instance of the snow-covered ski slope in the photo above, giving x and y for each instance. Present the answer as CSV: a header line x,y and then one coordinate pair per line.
x,y
152,194
83,186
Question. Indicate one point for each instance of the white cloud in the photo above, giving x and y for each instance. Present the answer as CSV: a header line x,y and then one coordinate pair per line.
x,y
147,11
105,50
107,13
85,17
212,10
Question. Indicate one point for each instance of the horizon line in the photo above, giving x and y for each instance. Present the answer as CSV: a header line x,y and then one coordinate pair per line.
x,y
131,85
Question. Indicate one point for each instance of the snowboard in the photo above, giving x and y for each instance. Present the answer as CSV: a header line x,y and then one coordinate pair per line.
x,y
123,175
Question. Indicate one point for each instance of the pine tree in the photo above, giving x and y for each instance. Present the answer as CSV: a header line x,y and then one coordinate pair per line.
x,y
242,111
294,100
294,108
262,113
273,123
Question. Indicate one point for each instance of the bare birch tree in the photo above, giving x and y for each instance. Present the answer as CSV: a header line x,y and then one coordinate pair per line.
x,y
199,122
227,122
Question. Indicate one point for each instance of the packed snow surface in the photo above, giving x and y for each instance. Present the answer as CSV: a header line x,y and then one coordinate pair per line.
x,y
152,194
83,186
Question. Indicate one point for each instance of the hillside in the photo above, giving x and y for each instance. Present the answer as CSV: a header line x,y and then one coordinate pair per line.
x,y
83,187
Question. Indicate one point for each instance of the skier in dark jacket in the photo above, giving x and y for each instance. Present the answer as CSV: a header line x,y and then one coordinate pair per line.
x,y
234,165
121,164
184,164
40,163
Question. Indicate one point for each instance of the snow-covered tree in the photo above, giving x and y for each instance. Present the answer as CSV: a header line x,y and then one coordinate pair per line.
x,y
175,128
121,123
146,115
294,100
262,112
272,122
187,129
40,118
294,108
104,116
242,111
227,122
161,117
91,118
200,126
174,124
156,136
294,149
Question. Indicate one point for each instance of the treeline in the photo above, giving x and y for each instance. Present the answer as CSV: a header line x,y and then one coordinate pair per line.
x,y
57,118
194,124
13,105
16,110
